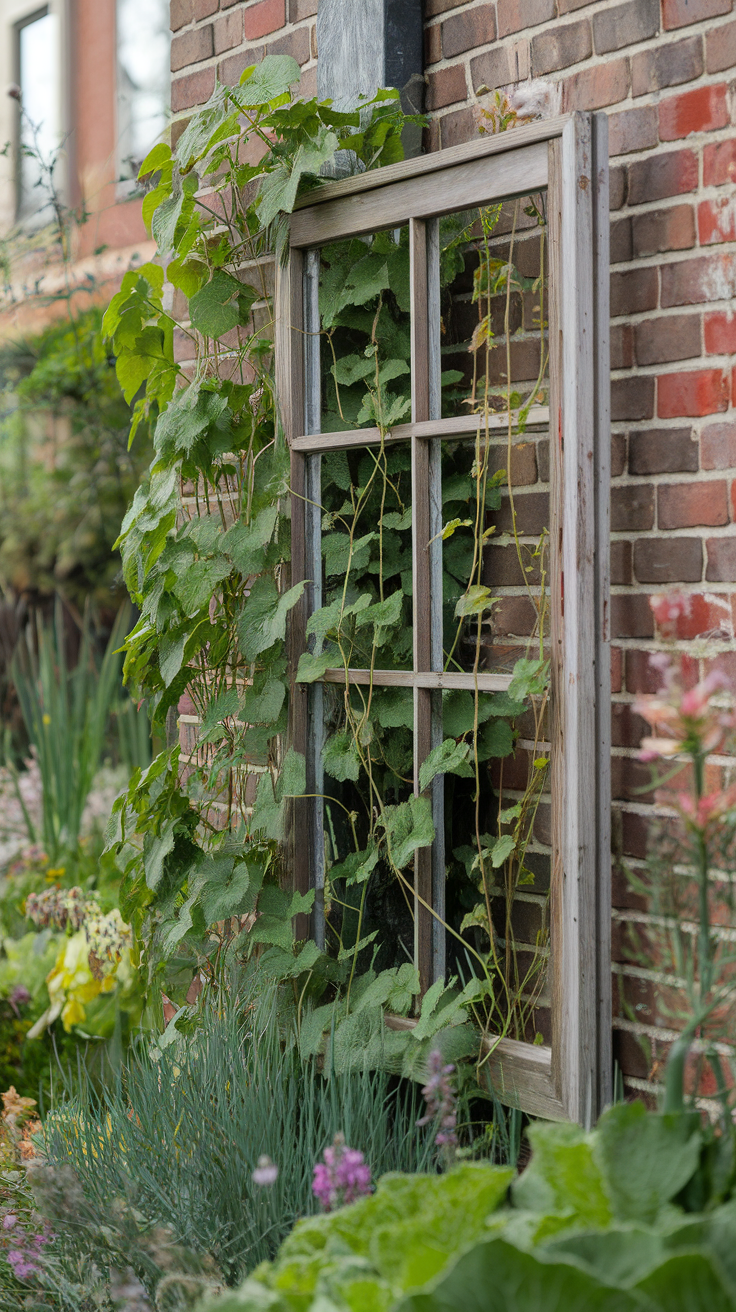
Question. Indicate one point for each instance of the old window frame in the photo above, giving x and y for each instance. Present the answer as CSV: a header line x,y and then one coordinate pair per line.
x,y
570,1079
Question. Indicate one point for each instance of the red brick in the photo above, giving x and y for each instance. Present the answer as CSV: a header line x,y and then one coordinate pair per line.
x,y
468,30
617,185
720,48
632,508
666,560
663,451
618,454
616,667
592,88
700,110
718,446
193,89
515,15
633,290
620,239
495,68
708,616
717,220
264,17
667,337
681,13
432,44
632,129
625,25
457,127
721,560
632,398
181,14
622,345
446,87
667,65
692,282
669,174
620,558
561,46
719,163
203,9
695,392
229,70
299,9
689,505
631,616
297,44
228,31
191,47
672,229
434,7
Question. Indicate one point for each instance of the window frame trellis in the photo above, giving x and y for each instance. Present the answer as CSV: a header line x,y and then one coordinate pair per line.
x,y
567,156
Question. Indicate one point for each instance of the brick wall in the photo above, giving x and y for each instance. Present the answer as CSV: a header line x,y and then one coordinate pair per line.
x,y
663,71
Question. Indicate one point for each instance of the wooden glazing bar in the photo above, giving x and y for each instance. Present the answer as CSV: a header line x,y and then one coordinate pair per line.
x,y
421,582
434,372
313,517
478,181
458,426
437,161
452,679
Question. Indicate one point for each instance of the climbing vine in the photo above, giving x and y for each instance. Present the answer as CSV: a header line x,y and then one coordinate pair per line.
x,y
205,547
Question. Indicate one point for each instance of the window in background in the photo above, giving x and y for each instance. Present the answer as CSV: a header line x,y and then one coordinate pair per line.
x,y
40,125
143,79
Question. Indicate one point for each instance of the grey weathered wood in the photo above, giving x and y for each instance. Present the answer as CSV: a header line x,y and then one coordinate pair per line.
x,y
457,426
480,147
313,565
478,182
434,377
451,679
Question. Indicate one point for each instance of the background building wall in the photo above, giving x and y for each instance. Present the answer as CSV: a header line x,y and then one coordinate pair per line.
x,y
663,71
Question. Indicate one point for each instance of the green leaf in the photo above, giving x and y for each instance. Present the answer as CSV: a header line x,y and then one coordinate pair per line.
x,y
564,1175
329,619
473,602
495,739
196,587
264,707
311,667
279,189
267,81
449,757
187,275
246,543
222,707
263,618
646,1159
160,154
218,306
226,889
384,615
357,866
408,826
500,850
340,756
529,679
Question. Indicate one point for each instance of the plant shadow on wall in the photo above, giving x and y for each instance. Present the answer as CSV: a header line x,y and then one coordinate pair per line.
x,y
205,546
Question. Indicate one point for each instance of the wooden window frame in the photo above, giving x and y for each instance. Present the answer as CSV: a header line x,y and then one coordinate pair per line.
x,y
571,1078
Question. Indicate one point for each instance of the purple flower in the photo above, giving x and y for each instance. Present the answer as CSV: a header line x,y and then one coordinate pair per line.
x,y
266,1172
9,1221
439,1096
22,1267
342,1177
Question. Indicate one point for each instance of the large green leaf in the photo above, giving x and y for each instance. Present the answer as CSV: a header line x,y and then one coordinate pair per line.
x,y
221,304
646,1159
449,758
267,81
263,618
408,826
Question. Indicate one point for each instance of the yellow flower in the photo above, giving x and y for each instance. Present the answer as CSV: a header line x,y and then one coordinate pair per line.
x,y
46,718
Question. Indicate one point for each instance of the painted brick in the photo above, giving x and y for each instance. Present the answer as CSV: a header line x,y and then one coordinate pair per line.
x,y
690,505
720,560
203,9
694,393
632,130
663,451
670,174
620,563
666,560
191,48
680,13
228,31
625,25
622,345
706,278
720,48
561,46
299,9
465,31
719,163
666,338
666,65
513,15
632,398
716,220
193,89
446,86
180,14
592,88
262,18
718,446
633,290
631,616
700,110
632,508
672,229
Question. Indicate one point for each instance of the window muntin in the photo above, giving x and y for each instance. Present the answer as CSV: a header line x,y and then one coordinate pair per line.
x,y
40,122
571,1075
143,79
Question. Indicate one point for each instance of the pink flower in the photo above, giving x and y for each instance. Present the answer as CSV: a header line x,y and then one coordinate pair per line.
x,y
439,1096
690,721
9,1221
343,1177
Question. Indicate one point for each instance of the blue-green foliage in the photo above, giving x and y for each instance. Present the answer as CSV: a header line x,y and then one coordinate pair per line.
x,y
595,1222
